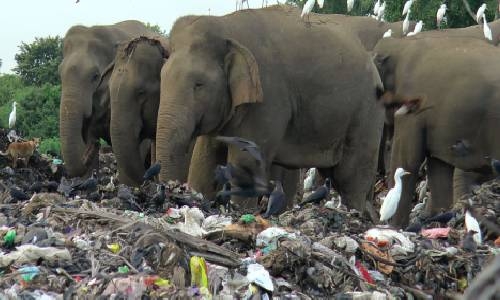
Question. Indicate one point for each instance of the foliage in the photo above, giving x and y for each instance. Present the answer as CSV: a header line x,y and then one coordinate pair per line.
x,y
38,62
9,84
156,29
50,145
425,10
0,63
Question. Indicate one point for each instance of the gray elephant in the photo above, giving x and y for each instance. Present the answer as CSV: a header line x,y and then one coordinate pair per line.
x,y
84,109
446,91
134,86
266,76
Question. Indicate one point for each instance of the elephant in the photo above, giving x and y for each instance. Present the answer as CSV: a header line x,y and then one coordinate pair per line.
x,y
238,75
447,94
84,109
134,87
475,31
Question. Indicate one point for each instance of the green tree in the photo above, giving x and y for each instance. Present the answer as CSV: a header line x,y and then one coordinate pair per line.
x,y
38,62
156,28
9,85
0,63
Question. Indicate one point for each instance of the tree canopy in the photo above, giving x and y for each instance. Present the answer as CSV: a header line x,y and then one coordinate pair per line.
x,y
38,62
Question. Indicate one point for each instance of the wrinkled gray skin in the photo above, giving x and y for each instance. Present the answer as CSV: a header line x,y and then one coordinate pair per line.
x,y
414,71
135,96
84,109
237,75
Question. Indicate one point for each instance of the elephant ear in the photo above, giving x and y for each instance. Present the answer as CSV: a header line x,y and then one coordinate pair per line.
x,y
243,75
106,73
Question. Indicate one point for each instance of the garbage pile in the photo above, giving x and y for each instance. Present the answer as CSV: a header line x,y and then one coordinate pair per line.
x,y
107,240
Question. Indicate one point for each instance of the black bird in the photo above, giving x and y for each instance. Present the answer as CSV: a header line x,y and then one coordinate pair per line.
x,y
223,174
160,196
224,197
414,227
495,165
51,186
244,145
89,185
153,171
277,201
36,187
319,194
468,244
18,195
461,148
442,218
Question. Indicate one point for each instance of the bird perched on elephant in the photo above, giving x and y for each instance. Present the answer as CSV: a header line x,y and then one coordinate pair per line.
x,y
432,116
84,110
236,76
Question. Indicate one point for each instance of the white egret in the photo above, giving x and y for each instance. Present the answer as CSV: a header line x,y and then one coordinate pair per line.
x,y
381,12
12,116
480,12
350,5
471,224
440,14
321,3
391,201
306,10
388,33
376,8
418,28
406,22
486,30
407,6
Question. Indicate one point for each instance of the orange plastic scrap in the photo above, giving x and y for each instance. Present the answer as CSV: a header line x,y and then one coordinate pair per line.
x,y
434,233
497,242
377,253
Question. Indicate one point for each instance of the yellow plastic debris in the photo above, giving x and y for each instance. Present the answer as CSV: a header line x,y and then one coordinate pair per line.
x,y
162,282
198,271
114,247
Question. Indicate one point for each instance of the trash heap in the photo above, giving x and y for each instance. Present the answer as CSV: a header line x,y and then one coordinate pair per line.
x,y
115,242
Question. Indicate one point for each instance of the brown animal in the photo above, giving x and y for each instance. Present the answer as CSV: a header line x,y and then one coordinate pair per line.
x,y
21,150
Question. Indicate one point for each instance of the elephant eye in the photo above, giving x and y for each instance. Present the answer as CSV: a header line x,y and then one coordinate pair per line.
x,y
198,85
95,77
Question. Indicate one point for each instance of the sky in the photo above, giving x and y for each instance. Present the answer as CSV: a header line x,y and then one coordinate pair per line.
x,y
23,20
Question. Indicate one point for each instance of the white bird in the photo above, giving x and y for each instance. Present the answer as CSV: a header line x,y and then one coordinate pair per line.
x,y
486,30
391,201
472,224
388,33
440,14
407,6
418,28
376,8
480,12
321,3
406,22
306,10
381,12
309,181
12,116
350,5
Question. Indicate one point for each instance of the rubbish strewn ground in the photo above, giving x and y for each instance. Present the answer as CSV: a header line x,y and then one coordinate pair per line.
x,y
118,242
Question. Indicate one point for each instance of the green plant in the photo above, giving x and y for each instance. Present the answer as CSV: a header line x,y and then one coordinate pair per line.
x,y
50,145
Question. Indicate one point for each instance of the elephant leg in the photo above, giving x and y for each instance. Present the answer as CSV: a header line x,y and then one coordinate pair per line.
x,y
202,166
440,176
463,182
289,179
153,152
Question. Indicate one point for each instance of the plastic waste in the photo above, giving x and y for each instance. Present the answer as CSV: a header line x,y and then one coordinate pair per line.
x,y
28,273
198,269
269,237
347,243
114,247
434,233
259,276
9,238
216,222
27,253
248,218
123,269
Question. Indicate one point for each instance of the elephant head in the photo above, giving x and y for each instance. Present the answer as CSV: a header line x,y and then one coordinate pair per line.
x,y
84,109
204,81
135,96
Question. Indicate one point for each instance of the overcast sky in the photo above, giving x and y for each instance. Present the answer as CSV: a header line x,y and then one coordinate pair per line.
x,y
23,20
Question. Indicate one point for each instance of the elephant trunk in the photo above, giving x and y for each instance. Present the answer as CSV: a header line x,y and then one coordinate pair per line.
x,y
174,136
73,147
125,136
